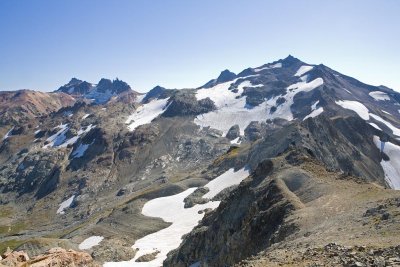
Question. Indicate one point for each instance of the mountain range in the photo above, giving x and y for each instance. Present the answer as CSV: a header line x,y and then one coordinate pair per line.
x,y
285,164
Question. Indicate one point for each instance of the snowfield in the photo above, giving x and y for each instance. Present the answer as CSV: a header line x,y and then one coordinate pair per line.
x,y
379,96
391,167
303,70
232,108
355,106
65,204
171,209
146,113
225,180
283,111
90,242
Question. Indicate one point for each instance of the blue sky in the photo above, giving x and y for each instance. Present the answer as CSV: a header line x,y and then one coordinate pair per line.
x,y
180,44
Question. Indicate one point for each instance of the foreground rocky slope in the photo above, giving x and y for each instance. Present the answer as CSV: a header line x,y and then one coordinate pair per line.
x,y
321,150
53,257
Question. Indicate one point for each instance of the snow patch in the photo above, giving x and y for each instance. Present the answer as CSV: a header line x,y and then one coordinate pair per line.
x,y
171,209
347,91
65,204
391,167
395,130
303,69
273,66
90,242
379,96
314,106
236,141
58,138
355,106
375,126
85,116
8,134
146,113
225,180
314,113
80,151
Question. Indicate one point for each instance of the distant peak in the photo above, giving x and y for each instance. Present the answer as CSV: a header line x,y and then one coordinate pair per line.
x,y
74,81
225,76
290,60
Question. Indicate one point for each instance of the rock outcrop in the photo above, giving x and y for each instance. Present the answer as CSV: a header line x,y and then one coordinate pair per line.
x,y
56,257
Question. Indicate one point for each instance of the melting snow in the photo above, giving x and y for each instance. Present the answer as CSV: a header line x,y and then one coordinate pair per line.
x,y
395,130
65,204
355,106
81,131
283,111
232,108
303,69
8,134
90,242
379,96
225,180
347,91
146,113
375,126
314,113
314,106
273,66
58,138
171,209
391,167
80,151
236,141
85,116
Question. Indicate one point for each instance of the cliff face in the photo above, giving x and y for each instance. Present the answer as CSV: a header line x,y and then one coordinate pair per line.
x,y
290,203
247,221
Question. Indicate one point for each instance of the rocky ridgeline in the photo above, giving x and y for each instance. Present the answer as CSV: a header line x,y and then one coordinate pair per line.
x,y
54,257
331,254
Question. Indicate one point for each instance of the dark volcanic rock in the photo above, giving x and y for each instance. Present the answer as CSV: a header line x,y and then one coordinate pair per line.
x,y
247,221
186,104
254,131
234,132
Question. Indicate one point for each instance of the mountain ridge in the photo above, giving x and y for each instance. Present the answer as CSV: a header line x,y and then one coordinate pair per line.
x,y
275,145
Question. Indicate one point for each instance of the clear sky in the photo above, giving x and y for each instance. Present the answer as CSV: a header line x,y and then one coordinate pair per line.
x,y
185,43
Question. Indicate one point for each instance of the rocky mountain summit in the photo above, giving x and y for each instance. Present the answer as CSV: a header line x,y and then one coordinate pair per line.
x,y
286,164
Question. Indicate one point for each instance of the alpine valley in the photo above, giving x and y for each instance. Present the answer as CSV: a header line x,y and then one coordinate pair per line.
x,y
286,164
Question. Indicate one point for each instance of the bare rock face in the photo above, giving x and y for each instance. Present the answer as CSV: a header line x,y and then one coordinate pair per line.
x,y
254,131
54,257
234,132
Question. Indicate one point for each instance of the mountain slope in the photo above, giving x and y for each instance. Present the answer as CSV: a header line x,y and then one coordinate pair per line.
x,y
310,138
22,105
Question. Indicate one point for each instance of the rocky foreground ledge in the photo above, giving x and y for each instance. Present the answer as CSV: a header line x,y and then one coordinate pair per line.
x,y
54,257
331,254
